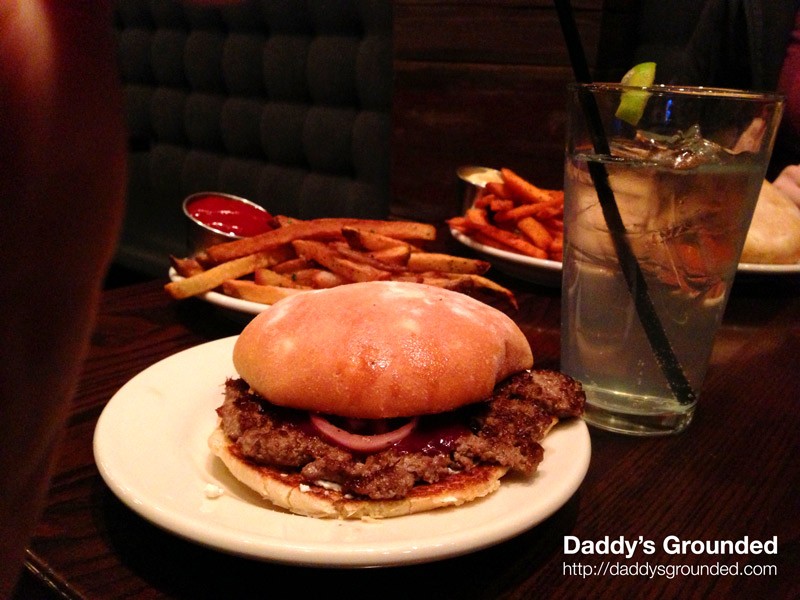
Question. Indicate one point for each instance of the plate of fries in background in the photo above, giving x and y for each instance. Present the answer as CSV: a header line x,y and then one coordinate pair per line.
x,y
514,224
249,274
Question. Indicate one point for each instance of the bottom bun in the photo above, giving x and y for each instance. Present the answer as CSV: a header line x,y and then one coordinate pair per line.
x,y
286,490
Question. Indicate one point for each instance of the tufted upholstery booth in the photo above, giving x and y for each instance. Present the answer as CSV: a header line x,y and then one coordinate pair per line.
x,y
285,102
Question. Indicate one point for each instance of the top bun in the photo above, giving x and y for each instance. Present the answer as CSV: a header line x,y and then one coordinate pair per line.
x,y
379,350
774,234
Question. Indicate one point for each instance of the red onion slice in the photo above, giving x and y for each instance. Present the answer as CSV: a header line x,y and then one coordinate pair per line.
x,y
361,443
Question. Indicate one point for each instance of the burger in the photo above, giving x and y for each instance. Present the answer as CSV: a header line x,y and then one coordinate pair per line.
x,y
381,399
774,234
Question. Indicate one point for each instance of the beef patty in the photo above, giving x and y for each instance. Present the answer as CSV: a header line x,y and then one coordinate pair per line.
x,y
503,430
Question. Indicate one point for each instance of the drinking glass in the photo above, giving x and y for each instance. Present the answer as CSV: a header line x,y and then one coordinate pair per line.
x,y
656,212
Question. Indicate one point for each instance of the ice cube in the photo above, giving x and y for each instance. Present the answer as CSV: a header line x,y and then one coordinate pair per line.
x,y
682,150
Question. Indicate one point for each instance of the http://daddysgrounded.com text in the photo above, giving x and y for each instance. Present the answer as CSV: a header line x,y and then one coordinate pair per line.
x,y
646,558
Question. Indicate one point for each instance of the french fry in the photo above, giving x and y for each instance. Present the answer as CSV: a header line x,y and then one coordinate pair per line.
x,y
185,267
466,282
272,239
401,230
316,229
422,262
304,255
283,220
365,257
361,239
292,265
263,294
397,255
335,262
208,280
317,278
270,277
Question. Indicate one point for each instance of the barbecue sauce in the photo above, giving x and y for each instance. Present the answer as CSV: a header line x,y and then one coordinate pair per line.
x,y
433,436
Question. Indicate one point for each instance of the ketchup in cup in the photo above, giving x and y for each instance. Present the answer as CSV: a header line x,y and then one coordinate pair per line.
x,y
227,214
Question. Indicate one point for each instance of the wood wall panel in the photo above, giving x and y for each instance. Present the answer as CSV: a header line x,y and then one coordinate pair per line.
x,y
478,83
490,32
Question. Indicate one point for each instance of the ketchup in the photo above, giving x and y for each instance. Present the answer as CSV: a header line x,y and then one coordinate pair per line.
x,y
230,215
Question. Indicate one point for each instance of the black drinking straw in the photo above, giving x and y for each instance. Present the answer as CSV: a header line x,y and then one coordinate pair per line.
x,y
637,286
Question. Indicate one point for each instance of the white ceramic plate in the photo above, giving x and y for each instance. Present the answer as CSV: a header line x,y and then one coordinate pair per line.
x,y
226,302
150,446
759,269
548,272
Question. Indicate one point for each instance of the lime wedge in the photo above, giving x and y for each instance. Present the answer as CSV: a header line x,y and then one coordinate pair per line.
x,y
632,103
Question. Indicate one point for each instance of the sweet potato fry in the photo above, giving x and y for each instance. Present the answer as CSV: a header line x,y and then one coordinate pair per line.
x,y
500,204
487,241
523,190
541,210
498,189
459,223
535,232
212,278
512,240
483,199
477,216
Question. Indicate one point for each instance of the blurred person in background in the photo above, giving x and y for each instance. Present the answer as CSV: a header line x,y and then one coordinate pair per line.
x,y
743,44
62,187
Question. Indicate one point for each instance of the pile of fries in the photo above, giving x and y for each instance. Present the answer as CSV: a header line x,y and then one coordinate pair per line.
x,y
298,256
516,216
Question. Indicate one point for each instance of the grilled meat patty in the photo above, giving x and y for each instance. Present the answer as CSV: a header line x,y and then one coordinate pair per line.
x,y
503,430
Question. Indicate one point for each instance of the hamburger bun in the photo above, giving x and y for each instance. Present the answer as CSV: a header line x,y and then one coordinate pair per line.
x,y
774,234
379,350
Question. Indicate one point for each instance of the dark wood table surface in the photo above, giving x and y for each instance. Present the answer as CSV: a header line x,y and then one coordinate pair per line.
x,y
732,475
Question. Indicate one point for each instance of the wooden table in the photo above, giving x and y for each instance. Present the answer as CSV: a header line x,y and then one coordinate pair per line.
x,y
733,473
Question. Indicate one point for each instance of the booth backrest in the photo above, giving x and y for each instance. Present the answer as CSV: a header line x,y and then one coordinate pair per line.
x,y
284,102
